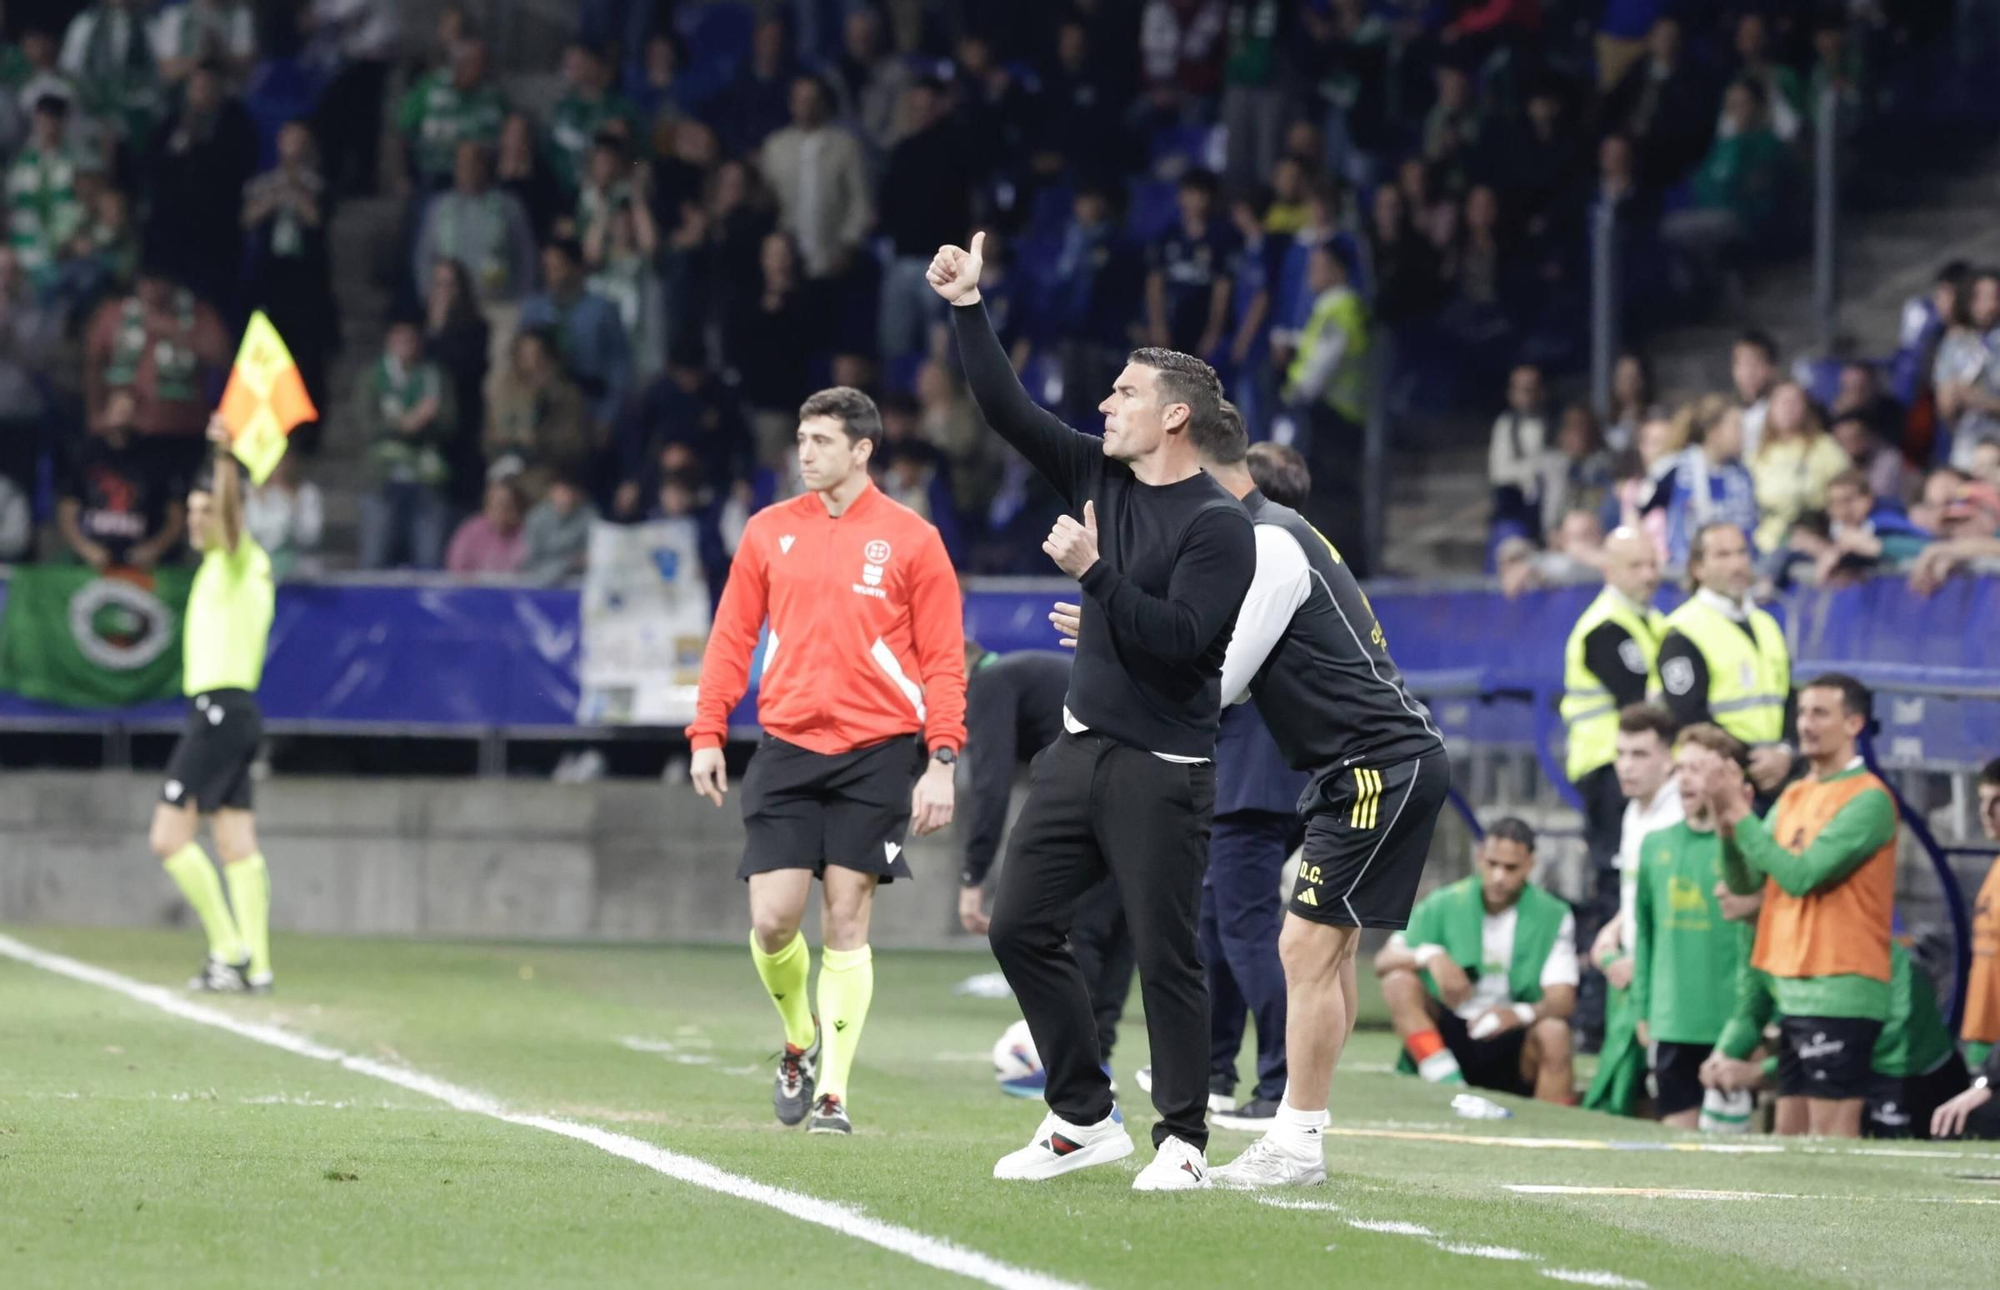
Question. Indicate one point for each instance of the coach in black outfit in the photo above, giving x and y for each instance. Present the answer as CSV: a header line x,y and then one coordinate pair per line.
x,y
1164,555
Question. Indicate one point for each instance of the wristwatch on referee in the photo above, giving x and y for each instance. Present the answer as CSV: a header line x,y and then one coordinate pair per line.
x,y
944,757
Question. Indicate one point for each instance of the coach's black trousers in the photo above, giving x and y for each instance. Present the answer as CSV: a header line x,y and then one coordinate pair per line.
x,y
1096,806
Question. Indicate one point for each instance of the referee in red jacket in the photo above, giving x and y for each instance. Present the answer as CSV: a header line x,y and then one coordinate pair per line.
x,y
862,702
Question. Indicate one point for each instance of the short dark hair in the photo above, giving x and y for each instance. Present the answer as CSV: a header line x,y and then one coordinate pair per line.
x,y
1199,180
1698,544
1990,772
1281,473
1856,698
1758,340
567,247
1817,523
1183,378
1223,442
1512,828
1638,718
858,416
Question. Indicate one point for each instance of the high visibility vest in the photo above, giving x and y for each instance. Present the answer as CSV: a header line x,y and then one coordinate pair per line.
x,y
1588,711
1338,311
1747,683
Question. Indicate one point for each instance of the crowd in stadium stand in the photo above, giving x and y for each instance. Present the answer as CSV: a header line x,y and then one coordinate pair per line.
x,y
1895,466
613,306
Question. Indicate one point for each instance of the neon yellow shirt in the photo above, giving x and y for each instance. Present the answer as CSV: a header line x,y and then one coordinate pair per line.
x,y
228,620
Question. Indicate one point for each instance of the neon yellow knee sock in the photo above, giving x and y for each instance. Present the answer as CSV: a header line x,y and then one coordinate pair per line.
x,y
784,975
846,985
250,897
191,871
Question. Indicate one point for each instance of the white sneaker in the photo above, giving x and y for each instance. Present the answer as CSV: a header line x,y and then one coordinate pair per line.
x,y
1177,1167
1218,1103
1270,1163
1060,1147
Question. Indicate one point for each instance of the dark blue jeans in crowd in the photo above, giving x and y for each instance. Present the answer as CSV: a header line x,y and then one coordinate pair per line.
x,y
1241,911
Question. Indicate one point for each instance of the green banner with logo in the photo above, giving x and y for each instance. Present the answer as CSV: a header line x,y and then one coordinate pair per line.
x,y
83,639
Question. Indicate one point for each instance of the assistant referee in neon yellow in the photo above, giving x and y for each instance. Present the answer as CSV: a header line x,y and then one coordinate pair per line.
x,y
228,623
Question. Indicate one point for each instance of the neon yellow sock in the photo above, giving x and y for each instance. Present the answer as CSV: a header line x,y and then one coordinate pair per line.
x,y
250,897
191,871
784,975
846,985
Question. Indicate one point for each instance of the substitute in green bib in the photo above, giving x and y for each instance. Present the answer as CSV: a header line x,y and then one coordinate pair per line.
x,y
1610,664
227,625
1686,953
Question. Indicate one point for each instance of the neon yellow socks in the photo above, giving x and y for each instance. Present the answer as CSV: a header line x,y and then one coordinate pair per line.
x,y
250,896
846,985
784,975
195,876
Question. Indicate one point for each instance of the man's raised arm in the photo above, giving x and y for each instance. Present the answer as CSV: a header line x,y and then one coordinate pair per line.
x,y
1062,455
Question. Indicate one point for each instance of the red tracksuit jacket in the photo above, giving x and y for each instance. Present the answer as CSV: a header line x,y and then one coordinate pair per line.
x,y
867,629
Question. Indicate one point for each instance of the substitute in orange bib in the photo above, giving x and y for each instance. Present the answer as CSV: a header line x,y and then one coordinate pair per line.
x,y
862,703
1981,1028
1825,860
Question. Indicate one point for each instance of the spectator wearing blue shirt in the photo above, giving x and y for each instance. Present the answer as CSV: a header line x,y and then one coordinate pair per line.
x,y
1708,482
589,336
1187,280
1247,373
1093,296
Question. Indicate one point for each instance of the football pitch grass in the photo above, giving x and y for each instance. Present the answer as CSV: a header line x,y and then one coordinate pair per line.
x,y
140,1147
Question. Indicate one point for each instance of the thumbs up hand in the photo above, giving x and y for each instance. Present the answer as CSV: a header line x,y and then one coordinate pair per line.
x,y
954,271
1073,546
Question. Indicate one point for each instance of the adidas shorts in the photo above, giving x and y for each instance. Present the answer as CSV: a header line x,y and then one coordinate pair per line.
x,y
808,810
1830,1058
210,764
1367,838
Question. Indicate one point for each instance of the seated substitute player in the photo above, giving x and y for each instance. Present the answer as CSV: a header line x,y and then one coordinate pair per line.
x,y
1686,953
227,625
1482,984
1825,861
866,652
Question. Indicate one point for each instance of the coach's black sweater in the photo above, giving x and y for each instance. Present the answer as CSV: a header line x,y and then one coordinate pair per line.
x,y
1173,564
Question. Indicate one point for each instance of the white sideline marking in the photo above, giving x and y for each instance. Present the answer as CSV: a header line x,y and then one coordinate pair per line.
x,y
929,1250
1391,1226
1609,1279
1504,1253
1670,1145
1703,1193
1498,1253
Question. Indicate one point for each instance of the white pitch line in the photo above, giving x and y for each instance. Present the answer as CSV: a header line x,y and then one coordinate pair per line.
x,y
1498,1253
1703,1193
928,1250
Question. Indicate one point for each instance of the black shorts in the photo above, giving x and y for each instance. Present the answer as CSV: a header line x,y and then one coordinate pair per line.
x,y
210,765
1486,1063
1677,1077
1368,834
1829,1058
1902,1106
808,810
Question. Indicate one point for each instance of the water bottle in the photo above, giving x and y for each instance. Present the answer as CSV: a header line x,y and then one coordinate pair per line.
x,y
1474,1107
1726,1112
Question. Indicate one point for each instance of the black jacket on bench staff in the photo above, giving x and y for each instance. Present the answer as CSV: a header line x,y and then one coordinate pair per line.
x,y
1328,688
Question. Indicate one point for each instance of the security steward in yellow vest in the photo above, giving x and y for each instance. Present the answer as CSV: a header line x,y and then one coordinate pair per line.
x,y
1608,665
1725,661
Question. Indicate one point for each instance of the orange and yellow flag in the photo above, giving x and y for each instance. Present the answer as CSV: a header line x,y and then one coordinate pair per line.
x,y
266,397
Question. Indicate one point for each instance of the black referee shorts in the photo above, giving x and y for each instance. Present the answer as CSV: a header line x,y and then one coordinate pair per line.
x,y
808,810
210,765
1368,834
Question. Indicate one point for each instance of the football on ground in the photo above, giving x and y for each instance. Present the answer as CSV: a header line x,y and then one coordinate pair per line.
x,y
423,1114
